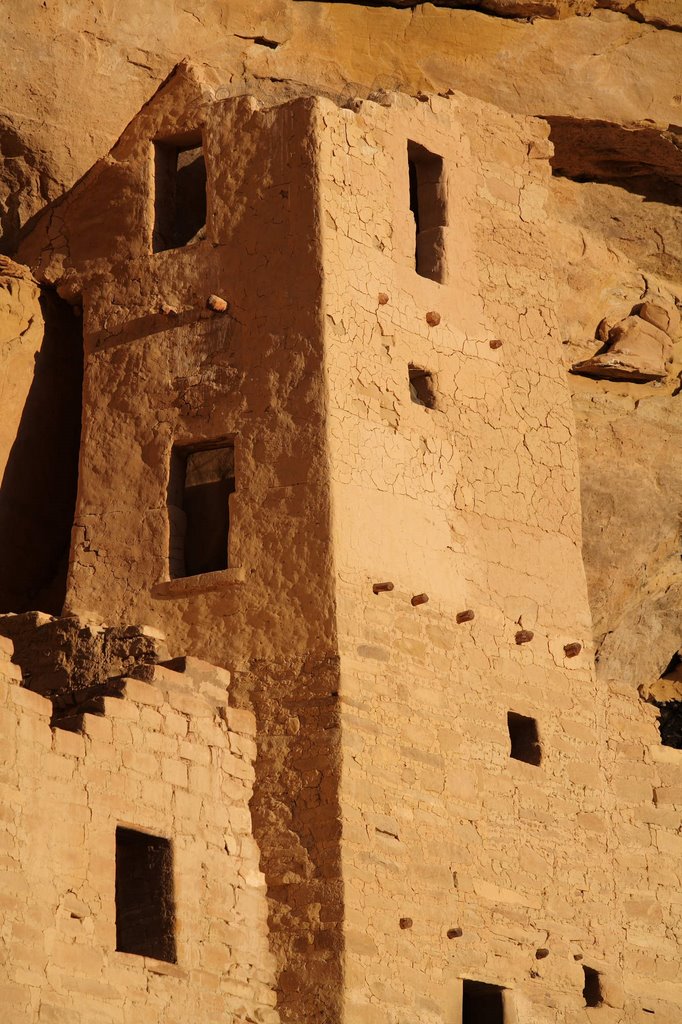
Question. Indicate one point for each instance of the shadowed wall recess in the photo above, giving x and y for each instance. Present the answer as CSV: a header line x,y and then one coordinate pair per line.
x,y
38,488
145,912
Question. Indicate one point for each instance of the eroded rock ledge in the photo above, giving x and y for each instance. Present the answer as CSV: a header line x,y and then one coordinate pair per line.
x,y
659,13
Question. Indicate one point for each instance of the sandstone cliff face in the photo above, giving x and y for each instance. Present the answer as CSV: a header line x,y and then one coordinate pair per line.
x,y
80,71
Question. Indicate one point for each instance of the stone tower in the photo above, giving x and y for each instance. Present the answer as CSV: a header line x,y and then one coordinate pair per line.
x,y
327,445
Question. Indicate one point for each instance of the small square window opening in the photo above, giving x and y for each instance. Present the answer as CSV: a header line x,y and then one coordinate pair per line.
x,y
422,390
525,742
145,907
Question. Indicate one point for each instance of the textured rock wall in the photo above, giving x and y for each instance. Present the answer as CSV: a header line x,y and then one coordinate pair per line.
x,y
40,389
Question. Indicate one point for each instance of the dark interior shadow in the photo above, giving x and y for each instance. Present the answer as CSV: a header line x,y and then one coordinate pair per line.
x,y
38,489
180,195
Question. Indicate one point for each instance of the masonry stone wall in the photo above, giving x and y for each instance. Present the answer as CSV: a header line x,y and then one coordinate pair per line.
x,y
161,759
641,824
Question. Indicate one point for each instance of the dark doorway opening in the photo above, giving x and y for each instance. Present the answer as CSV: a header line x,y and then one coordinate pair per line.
x,y
592,993
482,1003
39,484
201,482
145,905
179,193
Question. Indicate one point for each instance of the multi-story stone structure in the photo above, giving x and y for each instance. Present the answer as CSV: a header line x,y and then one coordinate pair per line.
x,y
327,445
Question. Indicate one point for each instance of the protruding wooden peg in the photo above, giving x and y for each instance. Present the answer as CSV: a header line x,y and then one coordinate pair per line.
x,y
571,650
382,298
465,616
540,954
217,304
420,599
454,933
382,588
167,310
433,318
495,343
406,922
524,636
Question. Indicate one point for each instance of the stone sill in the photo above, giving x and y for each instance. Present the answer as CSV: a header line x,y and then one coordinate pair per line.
x,y
152,965
666,755
187,585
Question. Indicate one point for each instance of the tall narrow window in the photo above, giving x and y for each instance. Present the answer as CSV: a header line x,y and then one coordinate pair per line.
x,y
429,209
525,742
145,909
179,193
201,482
482,1003
592,993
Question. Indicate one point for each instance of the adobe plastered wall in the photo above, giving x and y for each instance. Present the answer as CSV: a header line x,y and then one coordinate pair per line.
x,y
251,374
459,861
163,760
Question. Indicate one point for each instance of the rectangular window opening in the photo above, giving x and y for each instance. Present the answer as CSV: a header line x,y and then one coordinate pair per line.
x,y
592,991
429,209
201,482
482,1003
145,906
525,742
179,193
422,389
